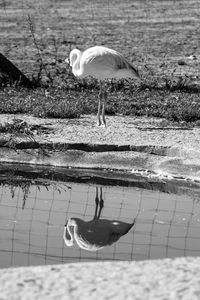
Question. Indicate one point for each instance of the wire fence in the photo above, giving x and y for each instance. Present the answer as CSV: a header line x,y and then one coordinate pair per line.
x,y
167,225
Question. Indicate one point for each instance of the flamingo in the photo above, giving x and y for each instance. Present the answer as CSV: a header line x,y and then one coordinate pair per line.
x,y
97,233
102,63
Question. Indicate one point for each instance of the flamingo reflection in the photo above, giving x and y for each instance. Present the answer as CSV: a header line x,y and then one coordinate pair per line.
x,y
97,233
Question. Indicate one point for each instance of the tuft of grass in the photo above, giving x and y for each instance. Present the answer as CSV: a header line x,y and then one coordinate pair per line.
x,y
123,98
40,102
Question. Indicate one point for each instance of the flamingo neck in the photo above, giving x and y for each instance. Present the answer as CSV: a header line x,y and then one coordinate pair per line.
x,y
68,236
75,58
75,231
71,233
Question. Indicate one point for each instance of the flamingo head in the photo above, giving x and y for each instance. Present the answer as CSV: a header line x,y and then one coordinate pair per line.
x,y
74,56
68,234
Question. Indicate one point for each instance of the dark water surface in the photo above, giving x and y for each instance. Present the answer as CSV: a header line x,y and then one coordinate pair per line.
x,y
33,215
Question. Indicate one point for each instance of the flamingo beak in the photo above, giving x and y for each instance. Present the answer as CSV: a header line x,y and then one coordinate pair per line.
x,y
67,61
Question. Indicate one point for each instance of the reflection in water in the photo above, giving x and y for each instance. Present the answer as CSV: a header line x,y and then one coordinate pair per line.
x,y
32,218
97,233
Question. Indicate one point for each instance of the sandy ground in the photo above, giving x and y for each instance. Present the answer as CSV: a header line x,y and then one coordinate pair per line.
x,y
147,280
120,130
127,143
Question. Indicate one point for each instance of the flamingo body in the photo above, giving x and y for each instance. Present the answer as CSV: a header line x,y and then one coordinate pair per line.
x,y
95,234
102,63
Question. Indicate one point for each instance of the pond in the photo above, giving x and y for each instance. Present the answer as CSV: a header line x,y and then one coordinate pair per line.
x,y
113,222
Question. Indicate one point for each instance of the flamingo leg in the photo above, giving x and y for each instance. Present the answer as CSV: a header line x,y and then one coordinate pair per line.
x,y
99,106
96,204
103,108
101,203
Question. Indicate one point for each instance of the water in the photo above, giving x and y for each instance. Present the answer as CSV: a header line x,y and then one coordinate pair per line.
x,y
33,214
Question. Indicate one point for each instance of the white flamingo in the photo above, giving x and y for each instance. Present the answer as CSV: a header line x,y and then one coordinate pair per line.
x,y
101,63
97,233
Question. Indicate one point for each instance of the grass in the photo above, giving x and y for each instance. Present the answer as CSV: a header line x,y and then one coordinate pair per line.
x,y
61,103
154,35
